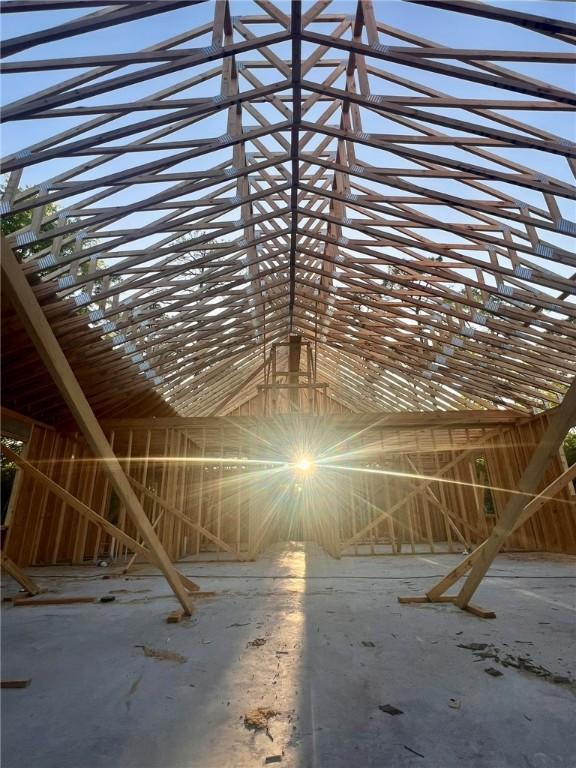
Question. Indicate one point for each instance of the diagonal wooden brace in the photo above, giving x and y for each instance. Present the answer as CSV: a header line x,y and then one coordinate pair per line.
x,y
517,511
48,347
88,513
18,575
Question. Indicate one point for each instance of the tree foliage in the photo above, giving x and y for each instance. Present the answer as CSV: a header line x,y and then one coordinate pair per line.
x,y
8,472
570,447
13,222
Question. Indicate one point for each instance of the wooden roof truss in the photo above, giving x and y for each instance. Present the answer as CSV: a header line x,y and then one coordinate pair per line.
x,y
301,170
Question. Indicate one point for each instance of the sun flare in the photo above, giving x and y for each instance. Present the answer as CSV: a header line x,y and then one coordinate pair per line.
x,y
304,465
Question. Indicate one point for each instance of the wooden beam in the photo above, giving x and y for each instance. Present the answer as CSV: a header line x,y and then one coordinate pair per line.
x,y
543,24
542,453
55,360
86,512
550,444
18,575
179,515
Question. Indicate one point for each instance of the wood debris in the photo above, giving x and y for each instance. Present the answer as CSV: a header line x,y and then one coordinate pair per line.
x,y
256,643
493,672
163,655
484,651
34,601
257,719
390,710
22,682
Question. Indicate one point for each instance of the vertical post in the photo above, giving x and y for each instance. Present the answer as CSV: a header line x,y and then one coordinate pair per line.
x,y
219,492
201,491
68,445
294,351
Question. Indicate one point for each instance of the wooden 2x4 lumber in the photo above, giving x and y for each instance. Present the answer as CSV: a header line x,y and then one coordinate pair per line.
x,y
9,567
54,359
436,270
30,193
481,172
380,321
543,24
478,54
444,387
535,352
364,206
184,393
154,228
59,98
381,106
94,21
518,83
555,254
367,302
508,312
533,506
295,29
137,258
155,353
418,395
229,351
200,108
53,310
400,356
345,423
405,393
104,119
397,363
146,315
86,512
559,423
486,66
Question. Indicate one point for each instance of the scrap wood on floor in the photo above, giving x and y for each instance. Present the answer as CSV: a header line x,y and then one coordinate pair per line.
x,y
162,655
32,601
257,719
20,682
484,651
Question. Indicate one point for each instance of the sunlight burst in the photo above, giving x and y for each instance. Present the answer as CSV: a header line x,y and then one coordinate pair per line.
x,y
304,465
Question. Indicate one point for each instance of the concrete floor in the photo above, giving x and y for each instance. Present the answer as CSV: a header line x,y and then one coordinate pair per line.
x,y
337,646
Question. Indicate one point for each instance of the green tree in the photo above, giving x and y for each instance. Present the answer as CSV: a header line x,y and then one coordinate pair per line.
x,y
570,447
8,472
13,222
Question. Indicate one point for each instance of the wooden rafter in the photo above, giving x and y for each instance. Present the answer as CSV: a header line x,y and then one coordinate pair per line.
x,y
303,174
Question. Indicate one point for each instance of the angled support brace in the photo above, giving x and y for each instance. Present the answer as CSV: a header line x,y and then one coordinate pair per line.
x,y
86,512
421,487
9,567
179,515
517,511
43,338
548,447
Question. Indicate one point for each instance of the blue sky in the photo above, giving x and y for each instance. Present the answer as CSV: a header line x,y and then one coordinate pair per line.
x,y
451,29
437,26
457,30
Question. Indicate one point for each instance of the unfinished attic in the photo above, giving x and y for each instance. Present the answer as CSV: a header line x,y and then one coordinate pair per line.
x,y
288,384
